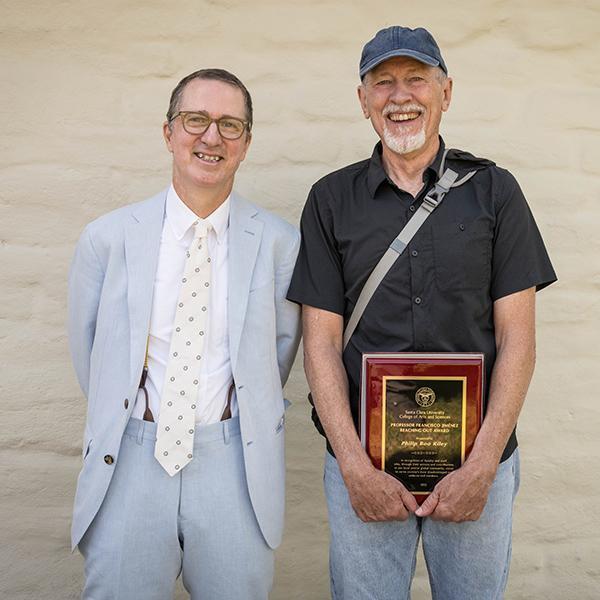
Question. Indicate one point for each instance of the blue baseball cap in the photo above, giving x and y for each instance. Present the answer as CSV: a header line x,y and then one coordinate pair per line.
x,y
401,41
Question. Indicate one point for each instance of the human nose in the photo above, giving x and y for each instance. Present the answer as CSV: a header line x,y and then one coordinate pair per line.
x,y
211,137
400,93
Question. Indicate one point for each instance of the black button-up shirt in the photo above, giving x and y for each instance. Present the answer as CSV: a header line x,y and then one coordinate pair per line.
x,y
481,244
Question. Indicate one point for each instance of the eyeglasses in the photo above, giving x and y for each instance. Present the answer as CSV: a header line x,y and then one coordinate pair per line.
x,y
196,123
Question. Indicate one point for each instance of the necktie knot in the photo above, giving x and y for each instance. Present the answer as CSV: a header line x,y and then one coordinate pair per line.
x,y
201,228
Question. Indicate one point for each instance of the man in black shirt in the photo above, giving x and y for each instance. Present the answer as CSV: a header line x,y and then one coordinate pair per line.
x,y
465,283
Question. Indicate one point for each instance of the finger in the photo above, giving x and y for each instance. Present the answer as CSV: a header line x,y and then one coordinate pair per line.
x,y
364,516
409,501
429,505
401,515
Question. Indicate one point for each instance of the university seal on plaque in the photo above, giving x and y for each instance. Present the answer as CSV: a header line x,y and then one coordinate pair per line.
x,y
425,397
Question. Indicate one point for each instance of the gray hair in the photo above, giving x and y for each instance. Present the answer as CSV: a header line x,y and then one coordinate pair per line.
x,y
440,75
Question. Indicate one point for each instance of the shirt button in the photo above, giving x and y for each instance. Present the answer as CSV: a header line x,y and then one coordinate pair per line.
x,y
418,300
108,459
126,403
461,227
414,253
412,208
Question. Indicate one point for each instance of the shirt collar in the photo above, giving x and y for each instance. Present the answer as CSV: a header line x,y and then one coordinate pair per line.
x,y
376,174
181,218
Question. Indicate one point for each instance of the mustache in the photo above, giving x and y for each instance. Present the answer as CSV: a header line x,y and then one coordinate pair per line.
x,y
411,107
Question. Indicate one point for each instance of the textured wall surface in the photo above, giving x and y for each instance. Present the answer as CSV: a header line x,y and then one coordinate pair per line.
x,y
85,86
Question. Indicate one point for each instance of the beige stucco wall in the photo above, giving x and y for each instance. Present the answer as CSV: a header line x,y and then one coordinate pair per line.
x,y
84,90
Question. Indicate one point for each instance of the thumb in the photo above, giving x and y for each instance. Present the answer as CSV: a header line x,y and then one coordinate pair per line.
x,y
429,505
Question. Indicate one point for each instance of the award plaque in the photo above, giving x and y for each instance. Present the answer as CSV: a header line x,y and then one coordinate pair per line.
x,y
420,414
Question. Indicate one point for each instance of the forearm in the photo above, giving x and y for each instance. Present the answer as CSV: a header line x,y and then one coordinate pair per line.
x,y
374,495
328,383
462,495
510,380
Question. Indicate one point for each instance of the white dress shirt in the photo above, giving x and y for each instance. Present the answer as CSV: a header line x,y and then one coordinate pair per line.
x,y
214,374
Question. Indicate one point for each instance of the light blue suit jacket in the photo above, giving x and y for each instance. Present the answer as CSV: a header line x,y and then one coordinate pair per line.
x,y
110,298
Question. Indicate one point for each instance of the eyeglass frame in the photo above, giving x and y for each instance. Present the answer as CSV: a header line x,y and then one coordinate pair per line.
x,y
246,124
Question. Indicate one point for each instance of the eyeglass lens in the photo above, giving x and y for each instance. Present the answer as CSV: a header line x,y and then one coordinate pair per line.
x,y
197,123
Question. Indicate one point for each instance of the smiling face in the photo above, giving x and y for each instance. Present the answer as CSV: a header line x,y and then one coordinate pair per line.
x,y
206,162
404,99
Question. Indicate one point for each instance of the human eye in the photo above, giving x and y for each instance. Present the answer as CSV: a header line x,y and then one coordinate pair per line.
x,y
197,119
232,125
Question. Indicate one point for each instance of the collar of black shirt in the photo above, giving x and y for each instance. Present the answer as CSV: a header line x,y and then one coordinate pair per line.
x,y
459,160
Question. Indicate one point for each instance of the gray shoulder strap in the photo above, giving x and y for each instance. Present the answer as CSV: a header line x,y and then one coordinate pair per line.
x,y
431,201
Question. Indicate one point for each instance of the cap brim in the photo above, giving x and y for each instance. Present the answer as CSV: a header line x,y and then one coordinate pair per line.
x,y
424,58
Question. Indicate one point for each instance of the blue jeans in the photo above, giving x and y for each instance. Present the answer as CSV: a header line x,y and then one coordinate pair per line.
x,y
465,561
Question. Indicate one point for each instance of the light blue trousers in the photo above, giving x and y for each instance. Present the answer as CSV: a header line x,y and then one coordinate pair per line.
x,y
465,561
200,523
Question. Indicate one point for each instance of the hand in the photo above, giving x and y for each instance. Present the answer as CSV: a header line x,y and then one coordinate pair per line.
x,y
460,496
377,496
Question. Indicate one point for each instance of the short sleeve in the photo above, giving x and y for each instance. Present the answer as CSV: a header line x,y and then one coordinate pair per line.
x,y
520,259
317,279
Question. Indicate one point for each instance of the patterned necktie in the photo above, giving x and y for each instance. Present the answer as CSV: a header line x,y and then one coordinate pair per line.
x,y
176,421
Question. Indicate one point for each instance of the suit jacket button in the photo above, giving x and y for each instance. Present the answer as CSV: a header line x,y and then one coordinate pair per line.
x,y
126,403
108,459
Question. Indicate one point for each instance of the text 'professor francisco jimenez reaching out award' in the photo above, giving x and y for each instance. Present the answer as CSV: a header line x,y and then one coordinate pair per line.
x,y
420,414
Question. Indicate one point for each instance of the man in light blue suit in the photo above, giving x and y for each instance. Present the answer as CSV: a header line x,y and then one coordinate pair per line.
x,y
182,338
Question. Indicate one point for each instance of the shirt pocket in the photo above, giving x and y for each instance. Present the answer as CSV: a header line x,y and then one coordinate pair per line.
x,y
462,255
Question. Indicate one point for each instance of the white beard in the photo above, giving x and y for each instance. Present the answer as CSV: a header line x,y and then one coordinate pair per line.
x,y
403,144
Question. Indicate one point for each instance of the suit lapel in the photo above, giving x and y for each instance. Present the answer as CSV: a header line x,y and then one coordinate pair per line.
x,y
245,233
142,243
